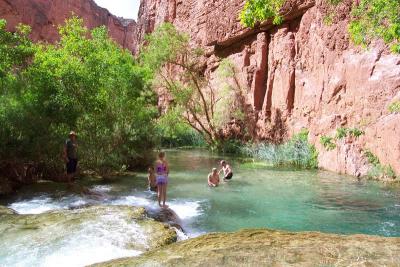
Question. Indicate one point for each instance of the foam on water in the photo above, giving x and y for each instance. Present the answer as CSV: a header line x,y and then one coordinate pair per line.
x,y
104,238
186,209
102,188
43,204
133,201
35,206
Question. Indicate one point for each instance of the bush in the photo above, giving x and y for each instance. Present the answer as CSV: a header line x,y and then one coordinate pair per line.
x,y
259,10
326,141
295,152
378,170
85,82
344,132
394,107
376,19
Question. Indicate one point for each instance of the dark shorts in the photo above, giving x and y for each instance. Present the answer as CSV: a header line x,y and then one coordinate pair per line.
x,y
71,165
228,176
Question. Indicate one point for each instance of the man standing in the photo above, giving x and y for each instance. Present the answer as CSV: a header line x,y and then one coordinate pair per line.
x,y
71,155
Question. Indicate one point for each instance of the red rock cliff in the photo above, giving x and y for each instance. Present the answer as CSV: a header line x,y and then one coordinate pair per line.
x,y
44,16
303,73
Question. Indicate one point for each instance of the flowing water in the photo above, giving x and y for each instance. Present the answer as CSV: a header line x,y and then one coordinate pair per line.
x,y
257,196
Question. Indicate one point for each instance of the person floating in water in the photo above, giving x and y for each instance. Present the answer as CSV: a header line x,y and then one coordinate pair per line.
x,y
213,178
226,168
162,171
152,179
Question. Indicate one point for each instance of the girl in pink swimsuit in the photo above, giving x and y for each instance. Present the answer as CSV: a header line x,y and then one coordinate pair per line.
x,y
162,171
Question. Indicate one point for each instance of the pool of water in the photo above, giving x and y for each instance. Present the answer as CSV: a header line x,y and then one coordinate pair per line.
x,y
256,197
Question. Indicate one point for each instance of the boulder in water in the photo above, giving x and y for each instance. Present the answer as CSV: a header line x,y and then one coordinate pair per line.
x,y
272,248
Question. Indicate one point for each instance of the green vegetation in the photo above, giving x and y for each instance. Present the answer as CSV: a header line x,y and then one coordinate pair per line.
x,y
174,133
260,10
344,132
394,107
378,170
326,141
84,82
376,19
296,152
371,19
204,106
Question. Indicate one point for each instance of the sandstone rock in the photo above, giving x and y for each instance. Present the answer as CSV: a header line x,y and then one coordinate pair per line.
x,y
272,248
301,74
45,15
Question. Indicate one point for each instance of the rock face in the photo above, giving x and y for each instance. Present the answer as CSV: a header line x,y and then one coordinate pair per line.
x,y
272,248
304,73
44,16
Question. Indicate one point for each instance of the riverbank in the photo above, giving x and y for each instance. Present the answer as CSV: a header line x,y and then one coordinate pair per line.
x,y
263,247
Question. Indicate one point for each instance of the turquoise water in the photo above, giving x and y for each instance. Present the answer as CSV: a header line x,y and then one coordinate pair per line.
x,y
255,197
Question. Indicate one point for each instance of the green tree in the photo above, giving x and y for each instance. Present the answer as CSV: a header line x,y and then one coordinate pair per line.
x,y
179,69
84,82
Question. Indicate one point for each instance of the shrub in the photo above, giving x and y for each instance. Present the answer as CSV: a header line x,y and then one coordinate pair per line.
x,y
295,152
394,107
326,141
341,132
376,19
378,170
344,132
259,10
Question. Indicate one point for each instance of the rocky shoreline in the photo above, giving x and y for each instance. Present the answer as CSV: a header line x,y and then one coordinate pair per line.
x,y
263,247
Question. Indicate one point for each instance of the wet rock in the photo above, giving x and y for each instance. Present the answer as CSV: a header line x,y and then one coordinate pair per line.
x,y
6,211
116,227
272,248
167,216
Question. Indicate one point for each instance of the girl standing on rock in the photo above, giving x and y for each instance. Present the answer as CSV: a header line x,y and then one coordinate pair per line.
x,y
162,171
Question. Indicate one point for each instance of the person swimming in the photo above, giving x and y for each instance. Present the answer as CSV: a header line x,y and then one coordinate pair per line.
x,y
162,171
226,168
152,179
213,178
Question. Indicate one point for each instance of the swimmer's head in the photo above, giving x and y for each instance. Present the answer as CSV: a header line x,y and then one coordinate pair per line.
x,y
214,170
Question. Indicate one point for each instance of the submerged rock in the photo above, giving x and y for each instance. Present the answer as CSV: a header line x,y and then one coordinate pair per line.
x,y
272,248
84,236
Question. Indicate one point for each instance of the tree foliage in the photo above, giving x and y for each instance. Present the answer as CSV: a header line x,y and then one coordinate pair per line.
x,y
260,10
199,101
84,82
376,19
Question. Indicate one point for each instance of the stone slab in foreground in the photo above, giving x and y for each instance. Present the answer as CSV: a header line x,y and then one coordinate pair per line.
x,y
272,248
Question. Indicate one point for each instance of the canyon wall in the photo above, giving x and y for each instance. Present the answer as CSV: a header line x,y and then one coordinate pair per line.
x,y
304,73
45,15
